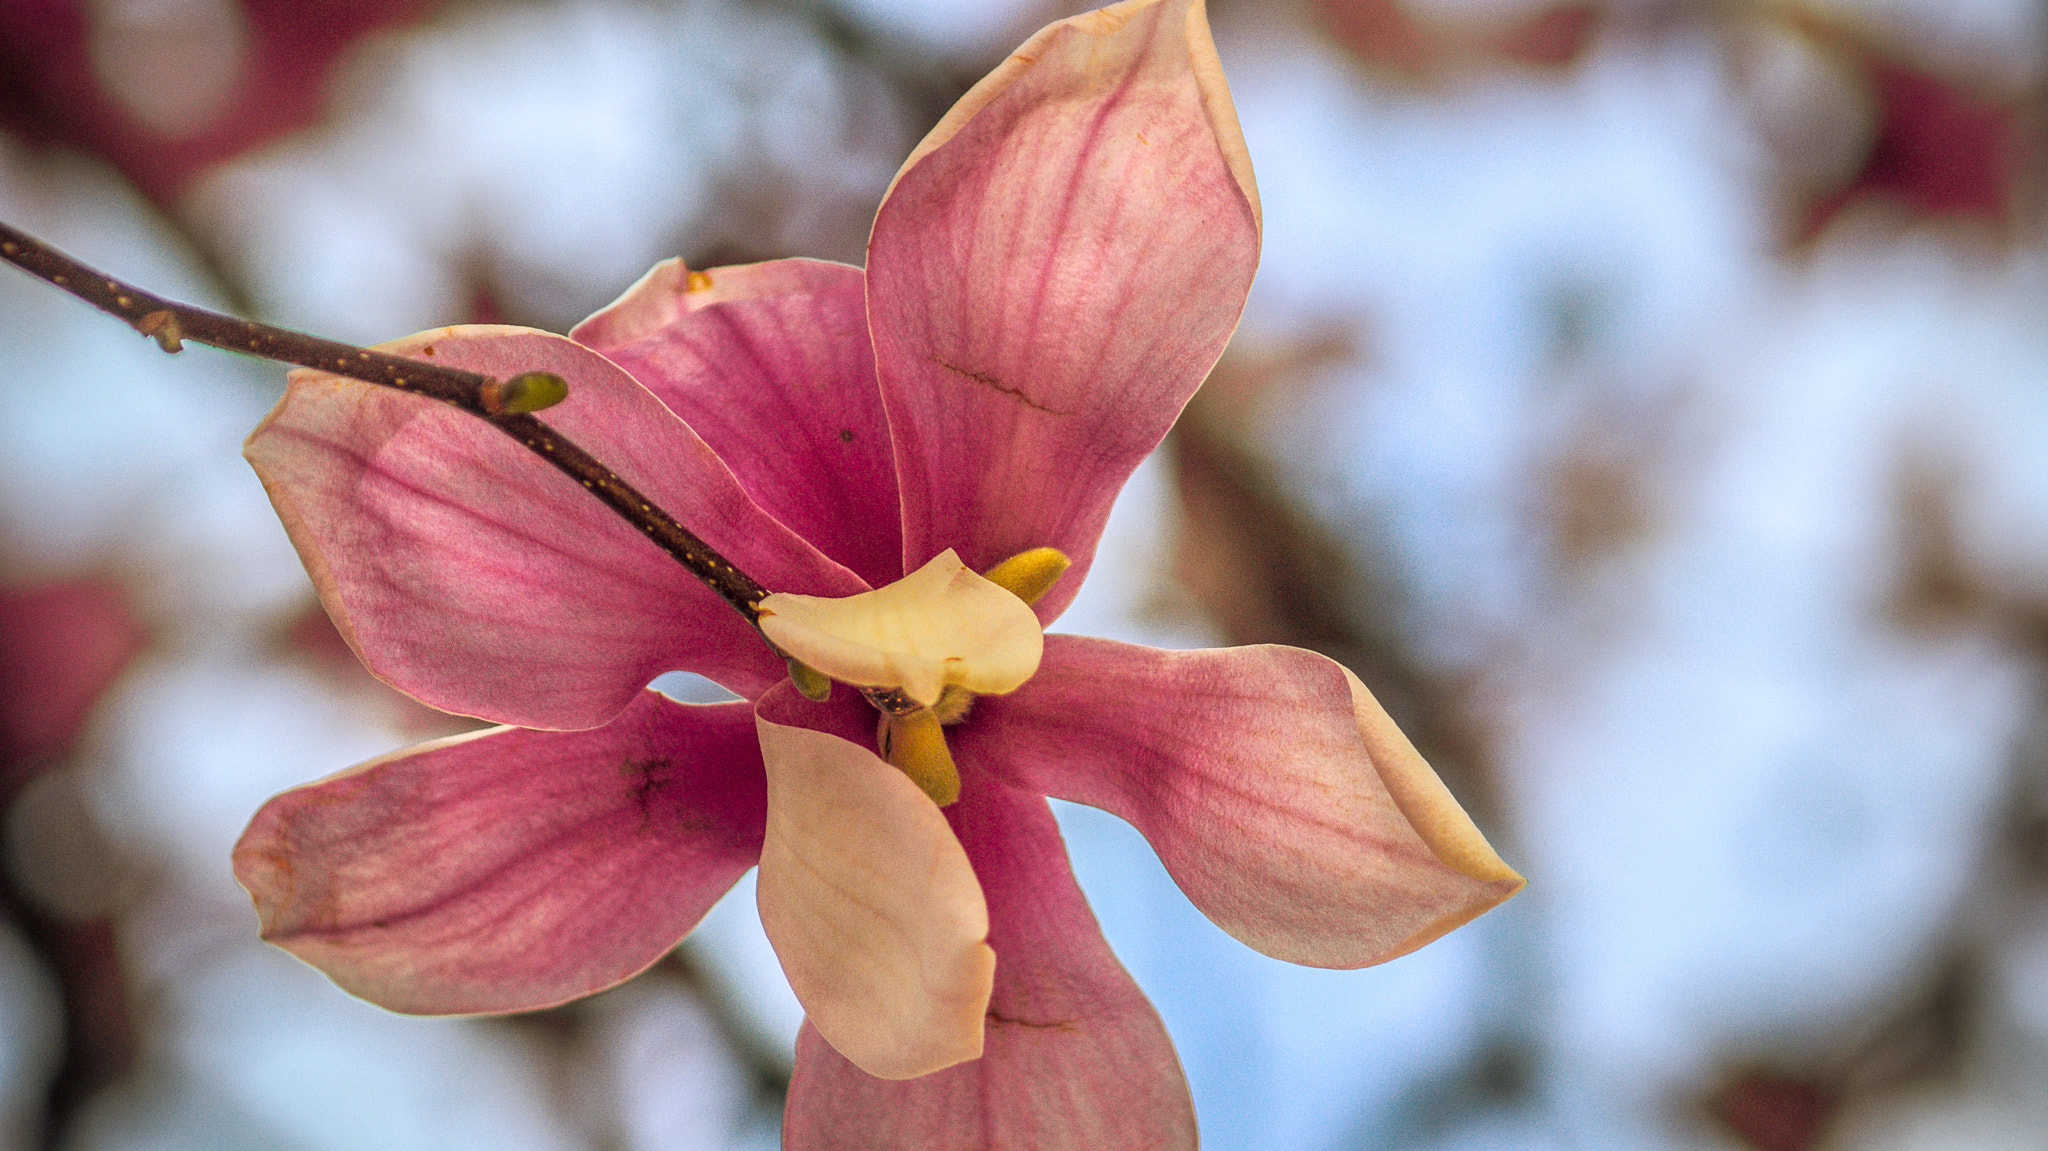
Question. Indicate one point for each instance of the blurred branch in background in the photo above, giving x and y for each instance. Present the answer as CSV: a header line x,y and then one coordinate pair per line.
x,y
61,646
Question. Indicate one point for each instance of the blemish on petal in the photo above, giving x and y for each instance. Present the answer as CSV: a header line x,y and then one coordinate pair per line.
x,y
699,281
986,380
649,777
995,1020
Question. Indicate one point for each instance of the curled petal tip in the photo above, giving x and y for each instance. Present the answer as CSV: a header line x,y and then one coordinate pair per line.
x,y
1276,791
1429,806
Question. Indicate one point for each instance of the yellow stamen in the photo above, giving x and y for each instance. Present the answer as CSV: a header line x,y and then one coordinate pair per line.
x,y
916,745
1028,575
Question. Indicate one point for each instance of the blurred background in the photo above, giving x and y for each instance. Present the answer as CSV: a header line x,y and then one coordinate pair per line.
x,y
1648,398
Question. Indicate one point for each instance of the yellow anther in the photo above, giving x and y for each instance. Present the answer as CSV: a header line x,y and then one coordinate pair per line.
x,y
916,745
1028,575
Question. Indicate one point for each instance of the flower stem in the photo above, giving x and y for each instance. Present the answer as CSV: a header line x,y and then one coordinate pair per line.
x,y
506,404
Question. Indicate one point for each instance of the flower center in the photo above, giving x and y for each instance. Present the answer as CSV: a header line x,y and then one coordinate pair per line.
x,y
930,642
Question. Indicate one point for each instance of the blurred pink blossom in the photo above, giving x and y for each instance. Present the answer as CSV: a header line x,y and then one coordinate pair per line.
x,y
165,91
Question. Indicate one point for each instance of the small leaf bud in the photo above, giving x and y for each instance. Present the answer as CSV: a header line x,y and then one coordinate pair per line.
x,y
525,392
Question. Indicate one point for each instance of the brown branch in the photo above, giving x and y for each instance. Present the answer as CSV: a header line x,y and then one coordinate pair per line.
x,y
506,404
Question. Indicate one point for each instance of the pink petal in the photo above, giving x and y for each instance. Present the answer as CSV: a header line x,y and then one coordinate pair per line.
x,y
1075,1057
867,897
1050,278
511,869
771,364
656,300
470,574
1285,803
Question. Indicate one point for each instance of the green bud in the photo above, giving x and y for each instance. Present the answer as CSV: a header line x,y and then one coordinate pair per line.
x,y
811,683
526,392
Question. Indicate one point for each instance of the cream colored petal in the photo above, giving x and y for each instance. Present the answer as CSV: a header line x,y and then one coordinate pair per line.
x,y
1432,810
870,902
941,624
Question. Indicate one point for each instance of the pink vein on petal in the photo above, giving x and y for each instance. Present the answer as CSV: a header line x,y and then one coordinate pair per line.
x,y
1033,344
771,364
511,594
1276,791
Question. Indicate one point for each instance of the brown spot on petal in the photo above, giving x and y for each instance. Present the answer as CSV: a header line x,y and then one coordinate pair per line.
x,y
652,780
649,777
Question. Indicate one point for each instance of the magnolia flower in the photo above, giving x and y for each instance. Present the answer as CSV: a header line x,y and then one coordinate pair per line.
x,y
1049,278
